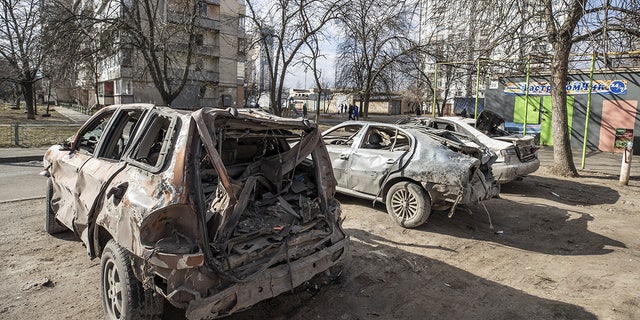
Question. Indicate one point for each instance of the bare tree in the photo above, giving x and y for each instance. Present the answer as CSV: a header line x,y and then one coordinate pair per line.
x,y
521,29
164,37
569,23
375,36
20,45
284,28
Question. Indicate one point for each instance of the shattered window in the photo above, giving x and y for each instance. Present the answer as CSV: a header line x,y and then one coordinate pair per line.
x,y
274,179
91,135
119,135
153,146
385,138
343,135
443,126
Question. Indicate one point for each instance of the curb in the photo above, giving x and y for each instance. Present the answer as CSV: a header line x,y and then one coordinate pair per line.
x,y
21,199
21,159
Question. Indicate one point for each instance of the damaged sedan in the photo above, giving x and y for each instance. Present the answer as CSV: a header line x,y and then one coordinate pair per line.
x,y
212,210
412,169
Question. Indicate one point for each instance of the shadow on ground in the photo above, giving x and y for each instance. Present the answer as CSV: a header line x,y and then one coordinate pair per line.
x,y
565,191
525,225
384,282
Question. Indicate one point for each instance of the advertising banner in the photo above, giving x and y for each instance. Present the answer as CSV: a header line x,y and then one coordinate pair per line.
x,y
623,136
543,88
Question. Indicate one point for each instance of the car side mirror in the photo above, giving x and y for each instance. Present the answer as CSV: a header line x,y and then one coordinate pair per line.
x,y
66,146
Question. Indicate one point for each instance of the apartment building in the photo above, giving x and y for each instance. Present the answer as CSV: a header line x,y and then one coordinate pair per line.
x,y
216,69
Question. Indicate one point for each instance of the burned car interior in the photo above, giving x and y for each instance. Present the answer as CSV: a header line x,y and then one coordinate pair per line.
x,y
280,212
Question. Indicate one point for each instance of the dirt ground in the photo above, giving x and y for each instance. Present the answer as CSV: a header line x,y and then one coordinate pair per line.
x,y
558,249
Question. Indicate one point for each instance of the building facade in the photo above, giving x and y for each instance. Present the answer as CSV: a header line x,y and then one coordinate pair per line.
x,y
216,72
613,108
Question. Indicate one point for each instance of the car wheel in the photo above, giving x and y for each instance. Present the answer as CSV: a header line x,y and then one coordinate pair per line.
x,y
408,204
123,296
51,224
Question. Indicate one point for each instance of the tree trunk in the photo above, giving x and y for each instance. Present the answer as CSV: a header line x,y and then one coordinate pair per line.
x,y
27,87
562,156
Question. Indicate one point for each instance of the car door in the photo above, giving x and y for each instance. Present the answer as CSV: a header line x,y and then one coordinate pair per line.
x,y
341,142
97,165
65,170
371,162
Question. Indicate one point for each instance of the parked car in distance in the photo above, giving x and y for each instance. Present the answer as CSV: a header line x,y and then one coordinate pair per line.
x,y
213,210
412,169
517,154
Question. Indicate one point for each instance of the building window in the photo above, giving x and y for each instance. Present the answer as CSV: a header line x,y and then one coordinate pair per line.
x,y
126,60
203,9
241,45
199,39
241,24
108,88
127,87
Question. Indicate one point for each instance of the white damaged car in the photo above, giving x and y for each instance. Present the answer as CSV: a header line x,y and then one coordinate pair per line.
x,y
517,154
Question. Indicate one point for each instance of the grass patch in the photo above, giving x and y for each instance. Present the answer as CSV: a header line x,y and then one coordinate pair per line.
x,y
19,116
38,132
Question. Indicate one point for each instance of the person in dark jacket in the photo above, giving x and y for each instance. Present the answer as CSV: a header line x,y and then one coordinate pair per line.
x,y
351,109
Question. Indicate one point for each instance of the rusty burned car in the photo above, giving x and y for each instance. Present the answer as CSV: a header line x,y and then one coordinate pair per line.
x,y
412,169
213,210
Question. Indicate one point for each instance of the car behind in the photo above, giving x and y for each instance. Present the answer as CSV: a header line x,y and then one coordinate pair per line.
x,y
517,154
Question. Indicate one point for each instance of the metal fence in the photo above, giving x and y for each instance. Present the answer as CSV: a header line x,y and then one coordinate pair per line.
x,y
27,135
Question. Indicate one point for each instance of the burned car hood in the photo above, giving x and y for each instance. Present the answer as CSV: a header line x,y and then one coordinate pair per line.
x,y
489,121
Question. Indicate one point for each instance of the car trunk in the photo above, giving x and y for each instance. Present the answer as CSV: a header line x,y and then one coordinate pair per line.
x,y
490,123
266,194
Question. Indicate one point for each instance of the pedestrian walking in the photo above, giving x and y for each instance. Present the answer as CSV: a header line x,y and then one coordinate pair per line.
x,y
304,110
418,111
351,112
355,112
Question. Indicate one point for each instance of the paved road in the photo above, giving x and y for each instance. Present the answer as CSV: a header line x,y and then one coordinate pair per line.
x,y
21,180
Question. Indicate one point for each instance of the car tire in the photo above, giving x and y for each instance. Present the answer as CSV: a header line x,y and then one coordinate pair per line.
x,y
408,204
122,294
51,224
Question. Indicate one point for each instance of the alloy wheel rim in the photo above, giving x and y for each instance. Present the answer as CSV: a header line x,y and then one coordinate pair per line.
x,y
404,204
113,290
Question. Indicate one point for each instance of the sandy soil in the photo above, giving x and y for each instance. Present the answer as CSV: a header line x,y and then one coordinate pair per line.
x,y
558,249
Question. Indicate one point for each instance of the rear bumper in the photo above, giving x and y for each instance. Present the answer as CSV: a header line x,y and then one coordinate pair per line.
x,y
508,172
268,284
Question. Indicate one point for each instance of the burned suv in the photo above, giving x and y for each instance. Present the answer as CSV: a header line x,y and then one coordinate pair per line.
x,y
213,210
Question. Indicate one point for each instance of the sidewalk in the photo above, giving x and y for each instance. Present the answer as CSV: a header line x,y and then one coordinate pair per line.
x,y
72,115
12,155
595,161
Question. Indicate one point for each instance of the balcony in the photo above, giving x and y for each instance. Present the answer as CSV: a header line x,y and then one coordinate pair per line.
x,y
202,22
204,50
208,76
